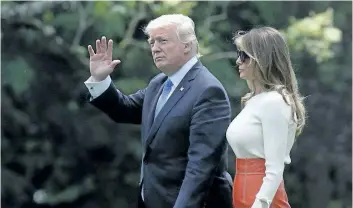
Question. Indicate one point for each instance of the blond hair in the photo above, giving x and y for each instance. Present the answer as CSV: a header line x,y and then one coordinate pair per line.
x,y
273,70
185,28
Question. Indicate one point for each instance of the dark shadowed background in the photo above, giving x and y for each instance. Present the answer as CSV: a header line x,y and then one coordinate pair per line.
x,y
57,151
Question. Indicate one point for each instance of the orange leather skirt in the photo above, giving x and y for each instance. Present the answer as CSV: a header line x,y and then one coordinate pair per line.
x,y
247,183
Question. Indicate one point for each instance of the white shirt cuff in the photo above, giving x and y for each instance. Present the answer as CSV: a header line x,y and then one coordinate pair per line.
x,y
261,203
97,88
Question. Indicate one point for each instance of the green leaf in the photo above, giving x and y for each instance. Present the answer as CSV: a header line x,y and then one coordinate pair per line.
x,y
69,21
335,204
18,74
315,34
101,8
269,11
173,7
120,9
226,73
132,178
112,24
48,16
132,68
131,4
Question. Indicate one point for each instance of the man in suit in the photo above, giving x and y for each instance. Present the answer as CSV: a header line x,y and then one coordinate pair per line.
x,y
184,113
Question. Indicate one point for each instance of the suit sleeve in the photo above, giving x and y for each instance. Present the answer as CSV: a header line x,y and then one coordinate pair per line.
x,y
210,120
119,107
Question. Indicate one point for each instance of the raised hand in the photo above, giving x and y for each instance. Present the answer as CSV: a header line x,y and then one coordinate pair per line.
x,y
101,63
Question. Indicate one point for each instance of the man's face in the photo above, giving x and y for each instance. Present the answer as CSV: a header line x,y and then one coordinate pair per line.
x,y
167,51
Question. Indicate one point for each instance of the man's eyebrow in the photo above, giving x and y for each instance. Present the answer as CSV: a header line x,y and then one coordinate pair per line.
x,y
156,38
160,37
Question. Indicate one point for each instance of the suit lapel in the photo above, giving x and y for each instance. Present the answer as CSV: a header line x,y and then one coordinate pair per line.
x,y
177,94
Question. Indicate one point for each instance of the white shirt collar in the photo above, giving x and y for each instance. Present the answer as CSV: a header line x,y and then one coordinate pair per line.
x,y
179,75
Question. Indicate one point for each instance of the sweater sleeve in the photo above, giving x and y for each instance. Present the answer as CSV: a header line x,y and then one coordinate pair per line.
x,y
275,117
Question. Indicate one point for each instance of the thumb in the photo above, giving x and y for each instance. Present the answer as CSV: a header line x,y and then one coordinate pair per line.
x,y
114,63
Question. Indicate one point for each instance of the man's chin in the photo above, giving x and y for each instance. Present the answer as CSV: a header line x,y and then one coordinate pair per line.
x,y
166,69
160,66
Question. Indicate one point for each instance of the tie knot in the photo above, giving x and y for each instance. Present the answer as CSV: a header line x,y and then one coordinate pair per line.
x,y
168,85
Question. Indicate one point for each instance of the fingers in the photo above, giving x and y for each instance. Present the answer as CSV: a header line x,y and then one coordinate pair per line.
x,y
90,51
103,45
110,49
98,46
114,63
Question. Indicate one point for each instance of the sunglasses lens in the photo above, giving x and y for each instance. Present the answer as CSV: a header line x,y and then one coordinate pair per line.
x,y
242,58
241,32
242,55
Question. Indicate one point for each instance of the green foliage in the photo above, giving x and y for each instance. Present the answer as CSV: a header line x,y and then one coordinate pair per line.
x,y
102,8
130,85
132,68
114,20
270,12
315,34
48,17
335,204
224,71
69,21
177,7
18,74
68,195
57,150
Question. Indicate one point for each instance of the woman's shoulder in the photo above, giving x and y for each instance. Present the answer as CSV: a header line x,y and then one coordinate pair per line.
x,y
272,103
272,98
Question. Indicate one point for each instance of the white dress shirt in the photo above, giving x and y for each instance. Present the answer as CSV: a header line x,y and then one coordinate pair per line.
x,y
264,129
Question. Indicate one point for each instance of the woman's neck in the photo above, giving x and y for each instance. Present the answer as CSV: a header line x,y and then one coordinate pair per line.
x,y
255,87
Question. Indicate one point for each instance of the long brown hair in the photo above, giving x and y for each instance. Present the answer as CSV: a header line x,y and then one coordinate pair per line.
x,y
270,59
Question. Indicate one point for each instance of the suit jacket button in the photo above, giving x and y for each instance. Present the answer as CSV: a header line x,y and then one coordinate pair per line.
x,y
145,162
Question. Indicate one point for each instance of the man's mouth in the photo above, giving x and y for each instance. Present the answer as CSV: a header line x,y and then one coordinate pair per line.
x,y
158,58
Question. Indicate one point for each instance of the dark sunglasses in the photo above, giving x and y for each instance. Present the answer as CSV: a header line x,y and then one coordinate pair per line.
x,y
242,55
241,32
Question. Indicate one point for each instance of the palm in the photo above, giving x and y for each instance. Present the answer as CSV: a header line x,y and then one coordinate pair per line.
x,y
101,62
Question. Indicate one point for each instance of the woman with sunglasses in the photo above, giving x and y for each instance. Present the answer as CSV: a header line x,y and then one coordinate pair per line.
x,y
272,116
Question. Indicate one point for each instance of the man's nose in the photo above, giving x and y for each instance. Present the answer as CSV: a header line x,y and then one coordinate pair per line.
x,y
155,48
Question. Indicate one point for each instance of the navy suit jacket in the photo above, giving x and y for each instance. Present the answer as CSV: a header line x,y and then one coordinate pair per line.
x,y
185,147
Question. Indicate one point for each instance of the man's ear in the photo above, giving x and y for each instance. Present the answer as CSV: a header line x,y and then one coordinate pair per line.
x,y
187,47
